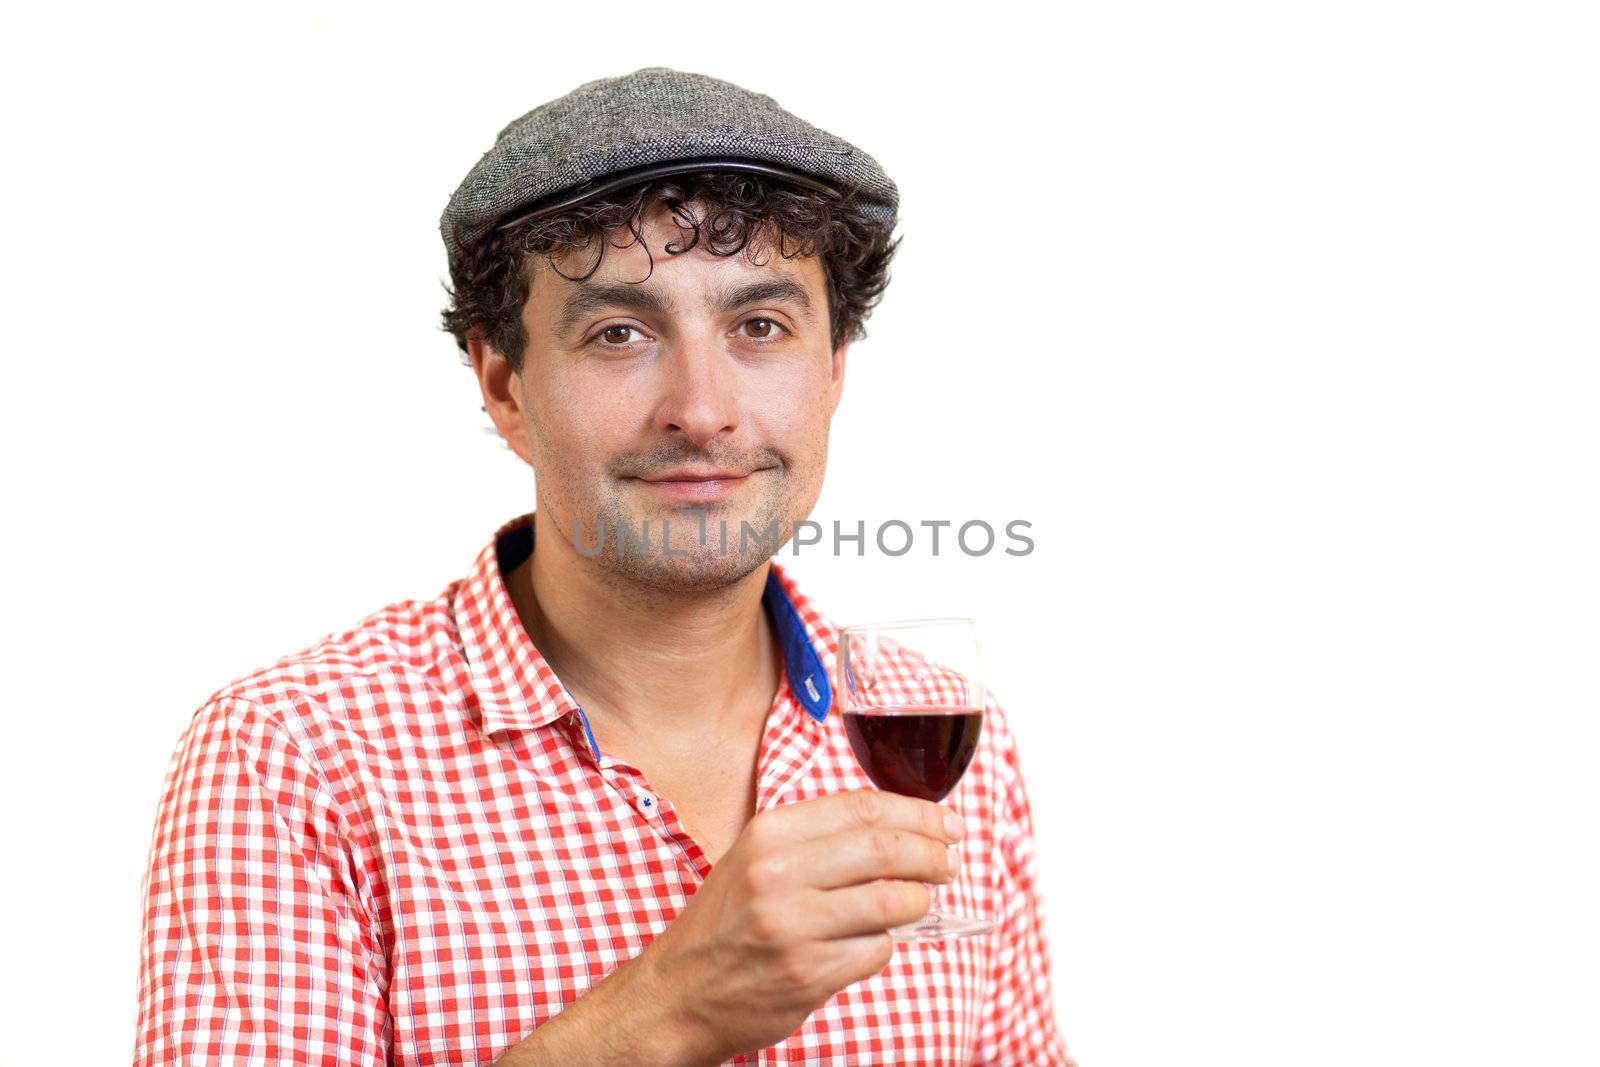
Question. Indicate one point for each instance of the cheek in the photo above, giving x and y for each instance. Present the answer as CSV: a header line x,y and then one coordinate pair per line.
x,y
573,426
794,418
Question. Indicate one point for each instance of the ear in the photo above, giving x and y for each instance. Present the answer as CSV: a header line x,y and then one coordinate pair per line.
x,y
836,386
503,398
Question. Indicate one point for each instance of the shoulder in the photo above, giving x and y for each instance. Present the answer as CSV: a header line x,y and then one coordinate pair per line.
x,y
334,698
400,639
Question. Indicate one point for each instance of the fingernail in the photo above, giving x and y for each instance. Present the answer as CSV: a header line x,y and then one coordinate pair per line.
x,y
954,826
954,857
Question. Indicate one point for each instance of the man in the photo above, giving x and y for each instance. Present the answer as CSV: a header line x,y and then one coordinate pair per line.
x,y
589,806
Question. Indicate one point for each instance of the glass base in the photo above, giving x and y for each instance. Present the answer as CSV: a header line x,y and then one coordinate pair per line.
x,y
939,926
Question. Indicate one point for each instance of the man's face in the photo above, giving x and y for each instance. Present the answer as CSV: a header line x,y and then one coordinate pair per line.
x,y
695,401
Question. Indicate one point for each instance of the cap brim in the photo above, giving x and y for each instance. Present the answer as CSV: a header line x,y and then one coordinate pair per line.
x,y
616,180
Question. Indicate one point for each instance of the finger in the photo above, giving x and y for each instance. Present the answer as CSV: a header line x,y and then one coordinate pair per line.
x,y
858,910
851,959
857,856
861,808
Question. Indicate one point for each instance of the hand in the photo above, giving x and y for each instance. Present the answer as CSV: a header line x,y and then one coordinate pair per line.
x,y
793,913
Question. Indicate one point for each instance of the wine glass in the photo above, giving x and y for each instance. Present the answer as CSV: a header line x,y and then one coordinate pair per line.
x,y
912,697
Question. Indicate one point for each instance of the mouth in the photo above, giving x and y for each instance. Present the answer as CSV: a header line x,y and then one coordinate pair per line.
x,y
697,485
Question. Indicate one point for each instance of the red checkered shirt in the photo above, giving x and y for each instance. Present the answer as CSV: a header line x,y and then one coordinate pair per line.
x,y
401,845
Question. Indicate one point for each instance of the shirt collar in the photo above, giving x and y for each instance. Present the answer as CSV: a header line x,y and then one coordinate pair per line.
x,y
515,687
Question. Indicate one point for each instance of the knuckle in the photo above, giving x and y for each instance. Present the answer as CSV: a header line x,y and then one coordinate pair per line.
x,y
766,925
883,846
920,899
795,969
882,952
891,904
887,907
763,874
867,807
906,902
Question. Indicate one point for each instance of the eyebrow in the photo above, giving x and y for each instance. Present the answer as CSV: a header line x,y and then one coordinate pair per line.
x,y
590,297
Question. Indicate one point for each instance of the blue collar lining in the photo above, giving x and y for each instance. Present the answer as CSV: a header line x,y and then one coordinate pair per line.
x,y
807,680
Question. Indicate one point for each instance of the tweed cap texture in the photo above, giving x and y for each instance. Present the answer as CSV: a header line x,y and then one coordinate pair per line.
x,y
610,128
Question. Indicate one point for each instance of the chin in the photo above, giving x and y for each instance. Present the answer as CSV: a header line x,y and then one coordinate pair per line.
x,y
703,570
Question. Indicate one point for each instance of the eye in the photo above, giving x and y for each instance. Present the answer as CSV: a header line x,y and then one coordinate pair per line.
x,y
769,328
608,335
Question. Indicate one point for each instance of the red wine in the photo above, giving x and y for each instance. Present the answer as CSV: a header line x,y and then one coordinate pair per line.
x,y
919,751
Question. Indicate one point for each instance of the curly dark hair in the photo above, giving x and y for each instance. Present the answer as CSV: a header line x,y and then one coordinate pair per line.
x,y
491,282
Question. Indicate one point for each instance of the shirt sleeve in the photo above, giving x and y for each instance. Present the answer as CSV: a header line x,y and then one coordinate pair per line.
x,y
255,947
1019,1024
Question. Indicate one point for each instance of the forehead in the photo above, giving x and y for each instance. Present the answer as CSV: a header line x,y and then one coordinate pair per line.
x,y
635,262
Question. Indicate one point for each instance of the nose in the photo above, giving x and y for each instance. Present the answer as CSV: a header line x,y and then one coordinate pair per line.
x,y
699,395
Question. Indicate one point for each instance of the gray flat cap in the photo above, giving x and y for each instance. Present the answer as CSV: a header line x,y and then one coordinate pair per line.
x,y
654,122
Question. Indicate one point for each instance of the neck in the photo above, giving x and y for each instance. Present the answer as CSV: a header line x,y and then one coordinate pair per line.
x,y
648,664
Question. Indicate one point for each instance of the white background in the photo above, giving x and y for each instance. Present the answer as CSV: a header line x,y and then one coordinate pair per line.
x,y
1278,322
